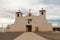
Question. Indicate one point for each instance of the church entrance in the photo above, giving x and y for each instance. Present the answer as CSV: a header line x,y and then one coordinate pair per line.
x,y
28,28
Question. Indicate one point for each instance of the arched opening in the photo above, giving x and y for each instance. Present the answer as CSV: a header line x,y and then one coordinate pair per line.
x,y
18,15
42,13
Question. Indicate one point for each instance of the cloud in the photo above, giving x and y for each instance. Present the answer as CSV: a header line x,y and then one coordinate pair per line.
x,y
9,7
52,17
14,3
6,21
51,2
34,4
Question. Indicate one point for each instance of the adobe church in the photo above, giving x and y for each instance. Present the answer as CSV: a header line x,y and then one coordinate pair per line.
x,y
30,22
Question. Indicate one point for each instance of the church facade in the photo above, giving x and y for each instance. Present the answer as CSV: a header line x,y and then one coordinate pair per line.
x,y
30,22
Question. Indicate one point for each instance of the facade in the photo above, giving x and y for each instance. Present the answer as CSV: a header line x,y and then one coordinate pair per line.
x,y
30,22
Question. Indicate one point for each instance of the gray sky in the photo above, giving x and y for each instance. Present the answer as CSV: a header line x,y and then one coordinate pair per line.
x,y
9,7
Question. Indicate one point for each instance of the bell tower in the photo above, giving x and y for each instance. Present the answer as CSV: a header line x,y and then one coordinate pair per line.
x,y
18,14
30,13
42,12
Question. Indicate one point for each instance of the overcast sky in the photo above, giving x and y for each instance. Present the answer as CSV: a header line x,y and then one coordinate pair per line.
x,y
9,7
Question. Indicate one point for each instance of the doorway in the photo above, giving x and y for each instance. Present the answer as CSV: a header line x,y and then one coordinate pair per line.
x,y
56,29
28,28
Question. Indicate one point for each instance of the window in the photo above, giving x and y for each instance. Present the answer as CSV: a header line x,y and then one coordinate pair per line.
x,y
29,14
28,22
29,19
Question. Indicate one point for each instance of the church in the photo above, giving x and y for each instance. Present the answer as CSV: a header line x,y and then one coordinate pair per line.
x,y
30,22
